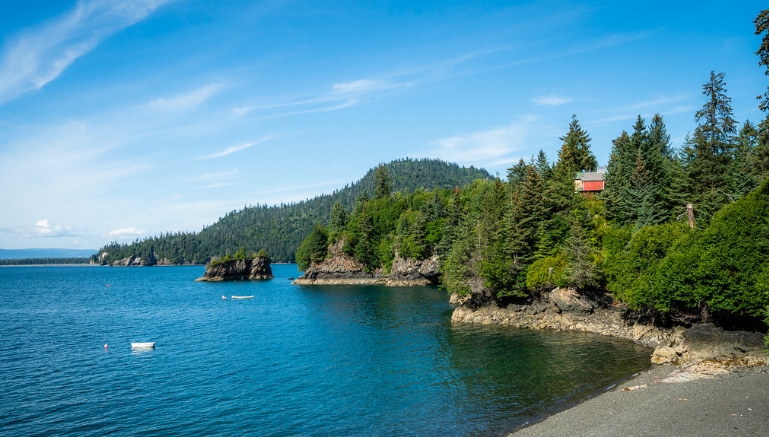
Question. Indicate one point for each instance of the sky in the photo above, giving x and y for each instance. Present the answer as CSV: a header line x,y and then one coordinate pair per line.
x,y
124,119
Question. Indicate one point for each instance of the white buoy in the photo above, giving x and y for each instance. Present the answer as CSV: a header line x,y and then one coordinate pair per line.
x,y
106,346
224,297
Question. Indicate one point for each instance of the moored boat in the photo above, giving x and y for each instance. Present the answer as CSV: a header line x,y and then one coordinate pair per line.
x,y
242,297
145,345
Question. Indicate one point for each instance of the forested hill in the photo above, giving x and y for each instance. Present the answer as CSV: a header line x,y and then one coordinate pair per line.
x,y
280,229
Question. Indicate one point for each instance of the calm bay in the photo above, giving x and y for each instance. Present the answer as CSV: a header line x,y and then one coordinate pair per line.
x,y
294,360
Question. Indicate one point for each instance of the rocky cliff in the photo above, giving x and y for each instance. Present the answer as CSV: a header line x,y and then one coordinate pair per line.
x,y
340,268
240,269
134,261
564,309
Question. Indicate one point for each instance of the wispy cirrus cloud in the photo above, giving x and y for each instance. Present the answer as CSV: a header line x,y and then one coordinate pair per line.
x,y
342,95
364,86
240,147
186,101
550,100
496,145
35,57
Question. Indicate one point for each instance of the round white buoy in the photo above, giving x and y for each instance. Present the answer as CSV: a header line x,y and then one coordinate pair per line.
x,y
106,346
224,297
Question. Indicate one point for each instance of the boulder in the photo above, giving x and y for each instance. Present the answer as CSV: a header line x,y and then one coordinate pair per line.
x,y
567,299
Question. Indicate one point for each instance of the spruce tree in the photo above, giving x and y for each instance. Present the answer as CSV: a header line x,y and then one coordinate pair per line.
x,y
762,147
575,152
543,167
338,220
383,185
709,151
516,173
618,174
762,28
745,176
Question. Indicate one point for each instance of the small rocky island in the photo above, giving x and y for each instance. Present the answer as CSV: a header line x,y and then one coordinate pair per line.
x,y
339,268
257,268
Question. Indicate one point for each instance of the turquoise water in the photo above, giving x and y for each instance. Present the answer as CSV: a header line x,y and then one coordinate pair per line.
x,y
295,360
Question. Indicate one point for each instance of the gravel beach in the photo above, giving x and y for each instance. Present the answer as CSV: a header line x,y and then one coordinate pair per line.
x,y
706,399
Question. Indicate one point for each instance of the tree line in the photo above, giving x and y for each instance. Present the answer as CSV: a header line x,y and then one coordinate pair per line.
x,y
279,229
679,234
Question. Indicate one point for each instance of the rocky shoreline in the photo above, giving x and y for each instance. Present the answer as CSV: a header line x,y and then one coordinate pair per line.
x,y
565,310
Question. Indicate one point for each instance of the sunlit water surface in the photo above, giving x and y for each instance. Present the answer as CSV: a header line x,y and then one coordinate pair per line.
x,y
295,360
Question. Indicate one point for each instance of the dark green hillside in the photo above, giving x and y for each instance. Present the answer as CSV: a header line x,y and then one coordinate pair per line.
x,y
281,228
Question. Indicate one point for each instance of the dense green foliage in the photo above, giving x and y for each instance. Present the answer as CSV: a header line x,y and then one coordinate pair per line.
x,y
36,261
281,228
533,231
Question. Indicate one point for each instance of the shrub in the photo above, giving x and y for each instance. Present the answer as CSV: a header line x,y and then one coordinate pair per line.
x,y
539,275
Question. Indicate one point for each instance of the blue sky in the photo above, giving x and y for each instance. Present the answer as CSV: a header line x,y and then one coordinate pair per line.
x,y
124,119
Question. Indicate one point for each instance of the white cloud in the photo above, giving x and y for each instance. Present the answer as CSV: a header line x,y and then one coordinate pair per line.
x,y
35,57
364,86
493,145
44,228
41,228
550,100
186,101
240,147
342,95
126,233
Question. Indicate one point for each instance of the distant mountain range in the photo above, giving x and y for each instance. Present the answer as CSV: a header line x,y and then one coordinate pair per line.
x,y
281,228
45,253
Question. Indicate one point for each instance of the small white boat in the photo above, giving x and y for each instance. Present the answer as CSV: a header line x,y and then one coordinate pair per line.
x,y
146,345
242,297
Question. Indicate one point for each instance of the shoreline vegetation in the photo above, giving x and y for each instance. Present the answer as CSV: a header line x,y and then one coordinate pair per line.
x,y
676,237
45,261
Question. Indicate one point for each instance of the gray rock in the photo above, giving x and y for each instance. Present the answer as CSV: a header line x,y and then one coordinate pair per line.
x,y
236,270
567,299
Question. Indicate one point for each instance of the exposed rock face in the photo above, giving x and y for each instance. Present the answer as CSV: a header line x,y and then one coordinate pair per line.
x,y
134,261
340,268
241,269
708,342
566,310
407,271
567,299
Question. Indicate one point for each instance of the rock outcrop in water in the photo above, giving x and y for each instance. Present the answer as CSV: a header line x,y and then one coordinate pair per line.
x,y
564,309
340,268
240,269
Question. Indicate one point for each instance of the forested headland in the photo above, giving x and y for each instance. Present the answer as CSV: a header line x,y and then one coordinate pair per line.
x,y
279,229
678,234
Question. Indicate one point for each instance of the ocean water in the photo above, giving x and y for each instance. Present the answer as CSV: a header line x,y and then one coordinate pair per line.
x,y
295,360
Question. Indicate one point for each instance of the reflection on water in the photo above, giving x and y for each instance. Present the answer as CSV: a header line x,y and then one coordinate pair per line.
x,y
295,360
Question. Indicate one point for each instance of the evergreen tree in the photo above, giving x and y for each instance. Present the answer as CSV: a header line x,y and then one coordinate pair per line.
x,y
745,175
383,185
313,249
581,272
709,151
575,153
516,173
543,167
762,28
453,220
365,247
433,209
338,220
618,175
